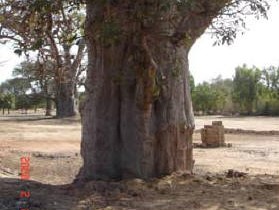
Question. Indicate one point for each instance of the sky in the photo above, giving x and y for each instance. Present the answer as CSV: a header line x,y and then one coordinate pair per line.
x,y
8,61
259,46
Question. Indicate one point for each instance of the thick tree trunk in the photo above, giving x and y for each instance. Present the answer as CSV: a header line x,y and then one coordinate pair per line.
x,y
137,127
138,118
48,106
65,101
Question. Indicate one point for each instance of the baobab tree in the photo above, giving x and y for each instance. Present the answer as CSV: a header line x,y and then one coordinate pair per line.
x,y
138,119
51,29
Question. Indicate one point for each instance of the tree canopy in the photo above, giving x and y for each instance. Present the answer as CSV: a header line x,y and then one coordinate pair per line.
x,y
53,31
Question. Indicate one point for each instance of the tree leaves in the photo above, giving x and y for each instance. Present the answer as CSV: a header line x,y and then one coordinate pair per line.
x,y
246,83
18,52
231,19
37,45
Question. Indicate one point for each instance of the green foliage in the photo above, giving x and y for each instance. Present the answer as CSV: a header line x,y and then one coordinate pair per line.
x,y
212,97
16,86
37,45
29,101
31,25
203,97
268,102
252,91
18,52
7,101
28,87
246,87
192,83
22,102
231,20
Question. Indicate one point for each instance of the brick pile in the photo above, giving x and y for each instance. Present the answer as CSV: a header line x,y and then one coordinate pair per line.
x,y
213,135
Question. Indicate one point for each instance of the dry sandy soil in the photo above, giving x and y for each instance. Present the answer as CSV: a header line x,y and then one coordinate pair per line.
x,y
246,123
53,146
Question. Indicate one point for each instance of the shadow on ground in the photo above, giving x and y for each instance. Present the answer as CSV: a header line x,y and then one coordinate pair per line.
x,y
42,196
171,192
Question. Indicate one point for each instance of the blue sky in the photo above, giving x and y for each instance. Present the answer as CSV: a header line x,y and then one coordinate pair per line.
x,y
259,46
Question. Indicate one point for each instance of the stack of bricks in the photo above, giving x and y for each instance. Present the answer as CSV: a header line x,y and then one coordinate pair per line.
x,y
213,135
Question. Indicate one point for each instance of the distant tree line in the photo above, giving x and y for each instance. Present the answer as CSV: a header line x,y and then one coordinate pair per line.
x,y
23,91
6,102
31,87
252,91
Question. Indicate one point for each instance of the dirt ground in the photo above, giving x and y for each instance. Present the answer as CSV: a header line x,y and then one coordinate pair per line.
x,y
53,146
247,123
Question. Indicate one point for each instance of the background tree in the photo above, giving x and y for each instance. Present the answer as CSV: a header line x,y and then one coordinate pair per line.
x,y
2,103
192,83
269,91
41,77
213,97
7,101
21,93
51,28
223,89
15,86
138,119
225,96
26,102
246,87
204,98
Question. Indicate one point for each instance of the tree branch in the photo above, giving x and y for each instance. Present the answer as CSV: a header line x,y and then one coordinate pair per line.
x,y
197,19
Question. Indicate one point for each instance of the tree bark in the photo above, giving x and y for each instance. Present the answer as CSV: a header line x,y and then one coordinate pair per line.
x,y
138,119
48,106
66,105
66,102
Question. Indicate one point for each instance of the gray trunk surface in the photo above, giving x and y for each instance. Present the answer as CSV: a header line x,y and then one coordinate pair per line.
x,y
66,105
137,119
